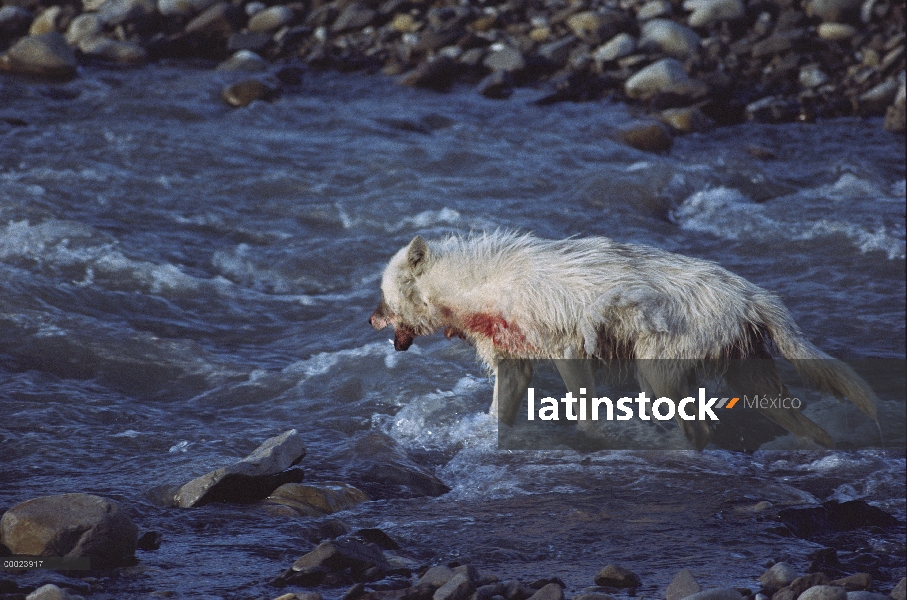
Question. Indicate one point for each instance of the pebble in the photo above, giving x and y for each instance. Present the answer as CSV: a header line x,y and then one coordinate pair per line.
x,y
45,55
614,575
658,77
114,12
270,19
812,76
504,58
184,8
669,37
619,46
82,27
654,9
836,32
46,21
778,576
708,12
831,10
244,60
824,592
683,584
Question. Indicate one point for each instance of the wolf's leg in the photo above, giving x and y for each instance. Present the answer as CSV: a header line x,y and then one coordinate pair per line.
x,y
579,378
511,380
675,379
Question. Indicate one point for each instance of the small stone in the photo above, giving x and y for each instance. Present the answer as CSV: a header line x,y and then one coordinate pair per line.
x,y
811,76
405,23
354,16
707,12
899,592
114,12
584,23
780,574
270,19
52,592
123,53
658,77
824,592
437,576
613,575
558,52
246,40
836,32
654,9
458,588
254,7
338,555
243,60
619,46
716,594
551,591
214,20
497,86
540,34
832,10
683,584
505,58
45,55
183,7
876,99
319,499
46,21
669,37
83,27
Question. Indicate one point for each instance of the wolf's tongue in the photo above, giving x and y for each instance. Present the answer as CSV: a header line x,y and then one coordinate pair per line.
x,y
403,338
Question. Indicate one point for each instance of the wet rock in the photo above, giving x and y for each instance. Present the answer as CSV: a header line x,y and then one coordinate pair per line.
x,y
73,525
348,556
183,8
551,591
672,38
865,595
614,575
354,16
855,583
437,576
899,592
317,500
14,21
270,19
45,55
659,77
114,12
832,10
243,60
716,594
106,49
687,120
497,85
504,58
249,479
619,46
778,576
800,585
83,27
654,9
834,516
437,74
52,592
708,12
405,23
652,137
681,586
836,32
824,592
876,99
457,588
812,76
46,21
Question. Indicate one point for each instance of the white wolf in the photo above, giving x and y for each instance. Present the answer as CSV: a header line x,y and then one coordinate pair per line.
x,y
520,297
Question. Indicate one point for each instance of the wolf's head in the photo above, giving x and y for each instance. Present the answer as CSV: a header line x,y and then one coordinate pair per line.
x,y
402,303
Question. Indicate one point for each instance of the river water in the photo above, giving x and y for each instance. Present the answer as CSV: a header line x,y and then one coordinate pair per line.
x,y
181,281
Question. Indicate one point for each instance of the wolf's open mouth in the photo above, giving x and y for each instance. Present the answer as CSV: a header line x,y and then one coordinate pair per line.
x,y
403,338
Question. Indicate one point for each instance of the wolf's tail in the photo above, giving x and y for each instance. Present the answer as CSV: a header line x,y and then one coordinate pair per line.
x,y
824,372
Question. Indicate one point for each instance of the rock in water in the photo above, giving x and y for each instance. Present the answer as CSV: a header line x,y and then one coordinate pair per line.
x,y
245,92
681,586
778,576
71,525
317,500
46,55
652,137
615,576
247,480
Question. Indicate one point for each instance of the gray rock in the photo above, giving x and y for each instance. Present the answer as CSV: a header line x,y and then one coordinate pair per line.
x,y
616,576
123,53
654,9
270,19
900,590
669,37
437,576
497,85
855,583
836,32
504,58
339,554
243,60
354,16
683,584
317,500
879,97
707,12
278,453
437,74
812,76
688,119
46,55
832,10
458,588
73,525
52,592
716,594
254,7
661,76
550,591
824,592
46,21
214,20
865,595
84,26
619,46
183,7
778,576
114,12
469,570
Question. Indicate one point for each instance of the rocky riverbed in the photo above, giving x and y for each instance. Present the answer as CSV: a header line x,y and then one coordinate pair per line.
x,y
690,63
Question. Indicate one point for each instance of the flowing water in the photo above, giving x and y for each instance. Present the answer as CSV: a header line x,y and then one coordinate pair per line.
x,y
180,281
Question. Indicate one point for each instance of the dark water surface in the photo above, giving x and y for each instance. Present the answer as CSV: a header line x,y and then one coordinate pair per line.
x,y
180,281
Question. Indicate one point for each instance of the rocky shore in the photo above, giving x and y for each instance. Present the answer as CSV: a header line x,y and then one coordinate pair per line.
x,y
367,563
692,64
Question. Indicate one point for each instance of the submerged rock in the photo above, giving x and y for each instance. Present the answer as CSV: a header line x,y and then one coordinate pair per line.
x,y
245,93
319,499
651,137
251,479
71,525
617,576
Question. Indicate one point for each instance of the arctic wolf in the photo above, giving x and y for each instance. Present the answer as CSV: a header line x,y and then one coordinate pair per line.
x,y
520,297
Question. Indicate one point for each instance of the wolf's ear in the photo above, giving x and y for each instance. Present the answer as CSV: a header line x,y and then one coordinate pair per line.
x,y
417,255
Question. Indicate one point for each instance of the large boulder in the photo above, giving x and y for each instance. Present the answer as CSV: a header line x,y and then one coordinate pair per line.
x,y
70,525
